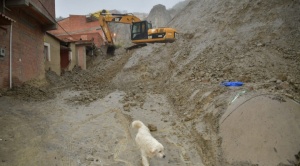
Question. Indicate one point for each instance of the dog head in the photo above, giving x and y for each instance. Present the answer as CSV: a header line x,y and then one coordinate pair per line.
x,y
158,151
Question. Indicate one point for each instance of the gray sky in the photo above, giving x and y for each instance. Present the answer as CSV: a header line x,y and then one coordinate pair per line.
x,y
83,7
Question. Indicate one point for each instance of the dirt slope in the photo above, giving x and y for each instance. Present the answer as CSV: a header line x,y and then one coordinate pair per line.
x,y
256,42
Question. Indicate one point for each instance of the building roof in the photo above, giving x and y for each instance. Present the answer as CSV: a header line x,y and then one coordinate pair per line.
x,y
43,12
5,20
54,37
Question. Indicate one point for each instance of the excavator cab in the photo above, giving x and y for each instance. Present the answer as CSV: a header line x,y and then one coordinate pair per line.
x,y
139,30
142,33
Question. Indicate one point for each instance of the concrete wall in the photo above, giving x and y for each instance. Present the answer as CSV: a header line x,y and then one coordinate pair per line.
x,y
49,4
54,63
74,59
81,56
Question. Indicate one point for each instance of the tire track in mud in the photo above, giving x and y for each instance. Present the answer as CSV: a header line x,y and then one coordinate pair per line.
x,y
208,142
184,156
201,125
124,121
173,135
189,155
74,147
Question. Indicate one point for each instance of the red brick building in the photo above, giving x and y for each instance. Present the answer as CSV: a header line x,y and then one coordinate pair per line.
x,y
84,31
22,28
79,28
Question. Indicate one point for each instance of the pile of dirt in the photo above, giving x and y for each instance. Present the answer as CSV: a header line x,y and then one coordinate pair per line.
x,y
84,81
34,90
254,42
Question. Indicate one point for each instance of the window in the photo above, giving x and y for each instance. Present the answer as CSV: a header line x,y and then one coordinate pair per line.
x,y
47,55
139,30
136,28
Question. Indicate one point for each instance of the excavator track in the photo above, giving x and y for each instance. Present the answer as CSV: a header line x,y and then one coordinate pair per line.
x,y
136,46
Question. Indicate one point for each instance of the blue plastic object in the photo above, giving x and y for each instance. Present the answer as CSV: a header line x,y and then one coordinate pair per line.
x,y
227,83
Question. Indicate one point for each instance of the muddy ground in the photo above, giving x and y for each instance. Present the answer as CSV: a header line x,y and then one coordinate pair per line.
x,y
87,123
82,118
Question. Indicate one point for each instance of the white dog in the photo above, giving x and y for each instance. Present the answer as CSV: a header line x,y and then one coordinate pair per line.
x,y
148,145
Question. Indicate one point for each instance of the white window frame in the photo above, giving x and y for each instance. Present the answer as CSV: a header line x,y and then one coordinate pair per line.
x,y
48,54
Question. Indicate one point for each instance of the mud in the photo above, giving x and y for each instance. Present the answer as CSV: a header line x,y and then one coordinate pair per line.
x,y
55,132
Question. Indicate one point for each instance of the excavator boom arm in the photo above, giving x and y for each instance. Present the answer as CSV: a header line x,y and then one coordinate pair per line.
x,y
105,18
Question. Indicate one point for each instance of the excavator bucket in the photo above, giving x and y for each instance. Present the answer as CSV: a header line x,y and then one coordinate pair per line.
x,y
108,49
111,49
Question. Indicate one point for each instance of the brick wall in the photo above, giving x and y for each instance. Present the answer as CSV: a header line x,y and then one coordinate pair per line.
x,y
28,46
77,25
95,37
4,61
27,43
27,50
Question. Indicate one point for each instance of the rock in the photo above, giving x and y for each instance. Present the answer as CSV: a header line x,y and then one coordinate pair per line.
x,y
202,74
126,105
282,77
141,104
133,104
244,78
250,88
260,44
284,85
272,80
207,80
89,158
126,108
188,118
152,127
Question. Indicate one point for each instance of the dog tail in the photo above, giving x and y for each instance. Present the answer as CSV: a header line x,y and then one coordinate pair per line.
x,y
137,124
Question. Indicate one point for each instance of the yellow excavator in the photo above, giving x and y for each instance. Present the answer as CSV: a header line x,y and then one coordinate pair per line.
x,y
141,31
